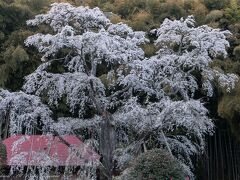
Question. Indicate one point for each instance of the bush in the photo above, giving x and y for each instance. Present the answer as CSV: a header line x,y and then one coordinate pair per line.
x,y
35,5
236,52
149,49
154,6
232,14
142,21
214,16
156,164
172,10
216,4
122,8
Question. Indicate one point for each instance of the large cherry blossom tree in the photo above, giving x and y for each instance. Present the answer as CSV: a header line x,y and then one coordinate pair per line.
x,y
119,101
94,55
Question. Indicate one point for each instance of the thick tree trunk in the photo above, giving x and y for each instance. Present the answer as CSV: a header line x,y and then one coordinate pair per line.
x,y
107,136
4,130
107,146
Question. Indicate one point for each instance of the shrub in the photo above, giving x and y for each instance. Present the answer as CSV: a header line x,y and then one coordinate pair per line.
x,y
236,52
154,6
156,164
142,21
214,16
216,4
200,11
171,9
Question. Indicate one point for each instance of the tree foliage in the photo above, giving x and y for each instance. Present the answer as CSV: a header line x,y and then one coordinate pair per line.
x,y
151,87
98,68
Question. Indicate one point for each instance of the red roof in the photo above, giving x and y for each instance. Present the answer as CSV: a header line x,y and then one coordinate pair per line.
x,y
48,150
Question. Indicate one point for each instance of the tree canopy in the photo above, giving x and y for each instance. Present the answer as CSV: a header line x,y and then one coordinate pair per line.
x,y
137,76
